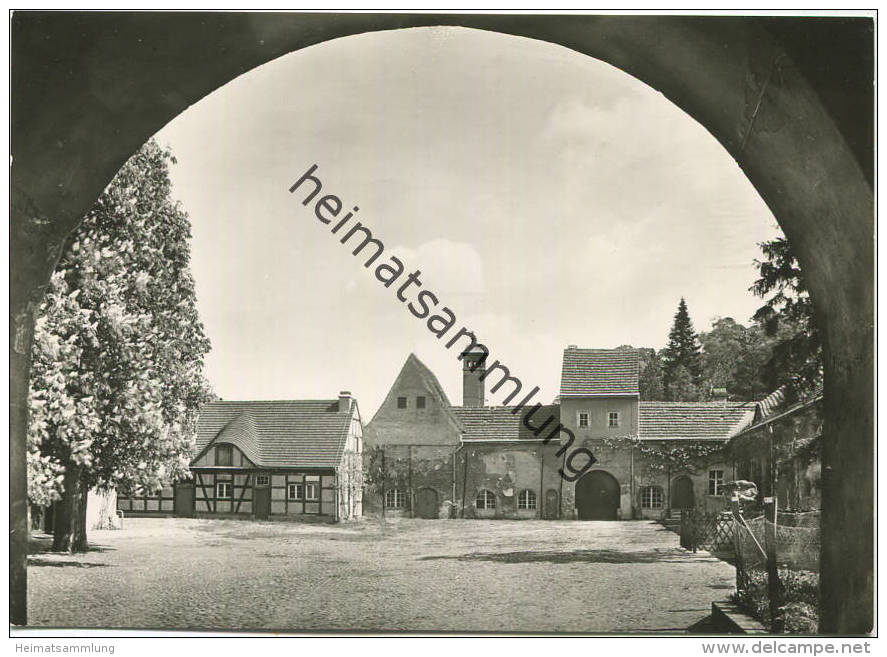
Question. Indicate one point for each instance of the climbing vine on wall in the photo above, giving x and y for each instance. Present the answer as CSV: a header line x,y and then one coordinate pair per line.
x,y
384,471
660,458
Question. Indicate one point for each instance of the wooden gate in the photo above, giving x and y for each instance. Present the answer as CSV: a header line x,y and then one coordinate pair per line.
x,y
597,496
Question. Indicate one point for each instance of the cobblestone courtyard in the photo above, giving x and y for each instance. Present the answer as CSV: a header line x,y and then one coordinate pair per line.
x,y
464,576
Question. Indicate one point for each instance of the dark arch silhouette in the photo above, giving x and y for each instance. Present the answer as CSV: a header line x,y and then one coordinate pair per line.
x,y
682,493
597,496
790,99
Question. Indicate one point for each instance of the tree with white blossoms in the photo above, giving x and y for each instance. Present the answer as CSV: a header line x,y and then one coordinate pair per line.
x,y
117,363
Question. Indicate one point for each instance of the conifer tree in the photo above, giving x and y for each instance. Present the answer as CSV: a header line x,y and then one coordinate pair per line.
x,y
683,350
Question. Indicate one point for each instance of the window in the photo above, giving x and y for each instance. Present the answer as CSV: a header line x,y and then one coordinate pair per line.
x,y
486,500
715,482
651,497
401,402
224,489
395,499
420,402
312,492
526,500
582,419
224,455
295,491
262,480
613,419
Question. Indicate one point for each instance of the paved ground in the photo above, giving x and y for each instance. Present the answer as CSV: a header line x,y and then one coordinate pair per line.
x,y
420,575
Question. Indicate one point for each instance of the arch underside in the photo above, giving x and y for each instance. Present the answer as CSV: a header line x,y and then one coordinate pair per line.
x,y
89,89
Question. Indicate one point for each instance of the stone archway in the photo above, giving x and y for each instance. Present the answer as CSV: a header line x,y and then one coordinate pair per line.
x,y
89,89
597,496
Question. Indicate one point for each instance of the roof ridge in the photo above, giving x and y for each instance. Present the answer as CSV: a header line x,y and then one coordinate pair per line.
x,y
270,401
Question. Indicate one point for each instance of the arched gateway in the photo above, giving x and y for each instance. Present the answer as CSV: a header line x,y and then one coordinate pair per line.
x,y
597,496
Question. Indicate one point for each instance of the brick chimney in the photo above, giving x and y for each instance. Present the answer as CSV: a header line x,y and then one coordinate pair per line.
x,y
473,367
344,401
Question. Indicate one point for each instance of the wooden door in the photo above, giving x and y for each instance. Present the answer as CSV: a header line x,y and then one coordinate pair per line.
x,y
262,502
551,510
682,493
426,503
184,500
597,496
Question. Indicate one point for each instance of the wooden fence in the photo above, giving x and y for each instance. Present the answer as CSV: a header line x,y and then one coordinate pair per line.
x,y
707,531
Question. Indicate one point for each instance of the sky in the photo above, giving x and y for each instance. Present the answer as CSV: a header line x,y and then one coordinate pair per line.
x,y
547,198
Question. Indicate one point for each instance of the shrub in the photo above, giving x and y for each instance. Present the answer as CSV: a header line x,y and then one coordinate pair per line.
x,y
801,592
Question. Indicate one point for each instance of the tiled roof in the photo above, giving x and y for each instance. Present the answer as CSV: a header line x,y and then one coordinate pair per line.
x,y
769,404
500,423
692,420
600,372
292,434
777,404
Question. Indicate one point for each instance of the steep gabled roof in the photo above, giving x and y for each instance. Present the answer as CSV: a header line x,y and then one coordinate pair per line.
x,y
291,434
429,381
600,372
486,423
692,420
428,377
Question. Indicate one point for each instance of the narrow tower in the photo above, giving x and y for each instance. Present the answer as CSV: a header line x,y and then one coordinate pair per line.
x,y
473,368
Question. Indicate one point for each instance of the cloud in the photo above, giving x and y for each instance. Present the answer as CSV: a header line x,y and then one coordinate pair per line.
x,y
453,270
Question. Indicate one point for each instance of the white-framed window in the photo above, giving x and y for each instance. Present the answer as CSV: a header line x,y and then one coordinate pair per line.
x,y
262,480
715,482
526,499
312,492
613,419
395,498
582,419
295,492
486,499
651,497
224,489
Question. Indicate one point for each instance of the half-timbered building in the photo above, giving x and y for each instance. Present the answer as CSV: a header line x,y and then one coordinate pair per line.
x,y
298,459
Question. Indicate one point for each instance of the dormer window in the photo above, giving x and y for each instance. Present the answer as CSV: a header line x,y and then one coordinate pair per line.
x,y
401,402
582,419
224,455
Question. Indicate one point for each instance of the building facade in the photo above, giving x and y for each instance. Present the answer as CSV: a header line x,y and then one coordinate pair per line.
x,y
780,450
296,459
428,458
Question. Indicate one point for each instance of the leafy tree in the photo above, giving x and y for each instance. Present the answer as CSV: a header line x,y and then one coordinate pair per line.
x,y
682,350
682,387
650,379
787,316
733,357
117,363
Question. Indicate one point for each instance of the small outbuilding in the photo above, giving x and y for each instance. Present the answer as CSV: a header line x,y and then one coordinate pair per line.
x,y
298,459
